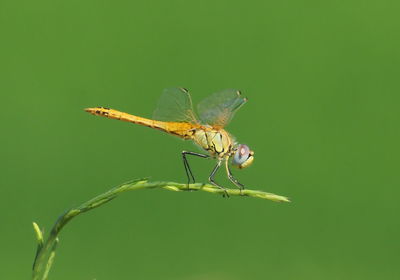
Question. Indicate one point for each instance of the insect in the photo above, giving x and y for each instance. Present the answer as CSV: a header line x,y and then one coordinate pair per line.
x,y
175,115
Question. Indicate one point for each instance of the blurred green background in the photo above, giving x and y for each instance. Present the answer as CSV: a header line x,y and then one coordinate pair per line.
x,y
322,80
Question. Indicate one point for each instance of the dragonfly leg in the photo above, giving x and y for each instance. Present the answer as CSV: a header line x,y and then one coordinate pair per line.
x,y
211,179
188,171
233,179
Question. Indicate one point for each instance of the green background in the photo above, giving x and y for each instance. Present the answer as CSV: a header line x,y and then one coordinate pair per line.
x,y
322,78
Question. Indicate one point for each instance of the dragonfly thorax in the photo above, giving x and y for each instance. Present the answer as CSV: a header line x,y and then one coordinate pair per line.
x,y
217,142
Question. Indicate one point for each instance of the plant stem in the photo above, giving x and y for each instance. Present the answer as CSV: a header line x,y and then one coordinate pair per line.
x,y
46,249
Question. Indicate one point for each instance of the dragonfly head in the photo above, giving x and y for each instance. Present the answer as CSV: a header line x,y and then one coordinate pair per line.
x,y
243,156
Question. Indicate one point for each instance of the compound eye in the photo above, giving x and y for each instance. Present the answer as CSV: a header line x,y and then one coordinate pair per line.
x,y
241,155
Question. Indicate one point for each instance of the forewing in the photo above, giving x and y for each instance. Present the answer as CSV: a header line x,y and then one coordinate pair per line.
x,y
219,108
175,105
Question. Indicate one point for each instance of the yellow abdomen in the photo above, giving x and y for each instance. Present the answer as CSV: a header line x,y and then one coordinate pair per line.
x,y
180,129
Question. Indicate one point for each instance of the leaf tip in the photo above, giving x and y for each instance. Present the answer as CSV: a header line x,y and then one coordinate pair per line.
x,y
38,233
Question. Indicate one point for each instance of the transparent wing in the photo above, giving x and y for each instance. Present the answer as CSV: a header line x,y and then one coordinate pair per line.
x,y
175,105
219,108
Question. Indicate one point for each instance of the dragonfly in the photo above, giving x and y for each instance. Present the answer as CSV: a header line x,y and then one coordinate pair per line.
x,y
175,115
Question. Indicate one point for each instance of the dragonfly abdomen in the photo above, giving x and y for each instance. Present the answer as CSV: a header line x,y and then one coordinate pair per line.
x,y
180,129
